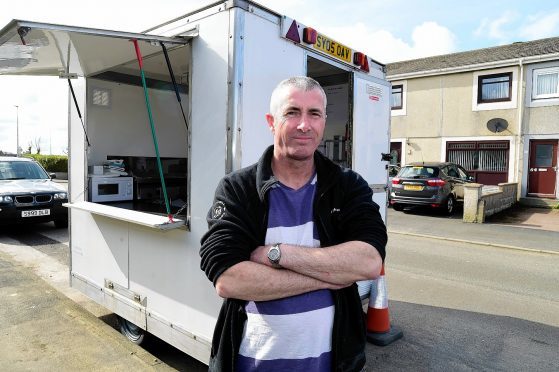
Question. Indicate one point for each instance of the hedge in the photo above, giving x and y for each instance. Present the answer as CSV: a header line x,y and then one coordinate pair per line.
x,y
52,163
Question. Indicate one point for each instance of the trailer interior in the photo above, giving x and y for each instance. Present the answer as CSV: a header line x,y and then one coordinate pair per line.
x,y
335,81
119,132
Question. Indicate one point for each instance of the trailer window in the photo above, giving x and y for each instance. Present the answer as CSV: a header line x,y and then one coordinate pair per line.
x,y
122,141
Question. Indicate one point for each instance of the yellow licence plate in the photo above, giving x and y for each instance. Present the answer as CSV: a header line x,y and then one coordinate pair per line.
x,y
333,48
413,187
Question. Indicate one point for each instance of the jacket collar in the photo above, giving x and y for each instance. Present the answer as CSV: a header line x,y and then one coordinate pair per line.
x,y
325,169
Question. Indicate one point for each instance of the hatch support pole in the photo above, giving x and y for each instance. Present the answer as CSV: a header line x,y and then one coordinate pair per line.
x,y
152,125
175,86
78,110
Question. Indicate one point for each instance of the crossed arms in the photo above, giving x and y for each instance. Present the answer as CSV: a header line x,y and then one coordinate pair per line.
x,y
303,269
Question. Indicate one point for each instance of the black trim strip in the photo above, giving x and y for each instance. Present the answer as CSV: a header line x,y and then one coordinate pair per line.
x,y
118,77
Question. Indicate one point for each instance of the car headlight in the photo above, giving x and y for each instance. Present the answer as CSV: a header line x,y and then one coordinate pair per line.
x,y
6,199
60,195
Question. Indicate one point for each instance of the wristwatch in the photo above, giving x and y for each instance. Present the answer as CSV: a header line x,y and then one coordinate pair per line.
x,y
274,254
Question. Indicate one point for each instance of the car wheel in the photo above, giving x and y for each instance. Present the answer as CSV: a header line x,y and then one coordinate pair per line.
x,y
61,223
131,331
398,207
450,206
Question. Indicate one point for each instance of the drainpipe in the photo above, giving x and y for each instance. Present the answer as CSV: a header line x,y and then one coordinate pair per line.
x,y
519,130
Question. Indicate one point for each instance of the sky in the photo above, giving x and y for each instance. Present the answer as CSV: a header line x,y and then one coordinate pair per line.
x,y
387,31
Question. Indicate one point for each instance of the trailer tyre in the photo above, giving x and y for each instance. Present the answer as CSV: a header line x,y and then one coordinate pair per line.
x,y
131,331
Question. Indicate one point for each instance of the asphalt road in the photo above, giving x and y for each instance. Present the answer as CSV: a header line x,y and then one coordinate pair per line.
x,y
461,306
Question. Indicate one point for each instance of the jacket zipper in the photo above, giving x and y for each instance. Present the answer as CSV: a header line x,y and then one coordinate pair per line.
x,y
335,326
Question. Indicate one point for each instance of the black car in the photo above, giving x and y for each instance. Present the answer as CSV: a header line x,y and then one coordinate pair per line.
x,y
438,185
27,194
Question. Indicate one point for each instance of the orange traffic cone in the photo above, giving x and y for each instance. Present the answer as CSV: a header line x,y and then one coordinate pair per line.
x,y
379,330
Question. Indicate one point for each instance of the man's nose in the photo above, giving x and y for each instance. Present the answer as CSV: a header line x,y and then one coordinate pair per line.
x,y
304,124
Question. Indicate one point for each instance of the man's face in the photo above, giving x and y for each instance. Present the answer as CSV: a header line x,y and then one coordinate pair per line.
x,y
298,125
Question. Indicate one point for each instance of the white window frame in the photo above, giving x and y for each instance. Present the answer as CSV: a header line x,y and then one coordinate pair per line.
x,y
402,111
539,72
512,104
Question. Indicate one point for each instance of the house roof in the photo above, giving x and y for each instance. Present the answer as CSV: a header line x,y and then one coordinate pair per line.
x,y
475,57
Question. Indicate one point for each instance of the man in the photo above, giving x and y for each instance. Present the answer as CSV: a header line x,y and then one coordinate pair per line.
x,y
288,238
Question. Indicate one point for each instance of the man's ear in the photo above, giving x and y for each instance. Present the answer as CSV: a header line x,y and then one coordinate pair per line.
x,y
270,120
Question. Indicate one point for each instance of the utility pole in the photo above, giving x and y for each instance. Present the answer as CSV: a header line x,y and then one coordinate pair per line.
x,y
17,130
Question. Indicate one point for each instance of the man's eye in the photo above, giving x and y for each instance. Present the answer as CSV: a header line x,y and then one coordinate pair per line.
x,y
291,114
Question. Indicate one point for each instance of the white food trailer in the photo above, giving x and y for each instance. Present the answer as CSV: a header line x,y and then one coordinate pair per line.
x,y
225,60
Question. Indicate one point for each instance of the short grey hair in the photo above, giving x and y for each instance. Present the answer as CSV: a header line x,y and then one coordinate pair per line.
x,y
303,83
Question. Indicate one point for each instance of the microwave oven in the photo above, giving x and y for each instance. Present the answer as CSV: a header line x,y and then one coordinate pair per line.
x,y
110,189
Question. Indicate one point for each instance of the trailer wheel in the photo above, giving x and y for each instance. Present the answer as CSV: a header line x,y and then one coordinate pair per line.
x,y
131,331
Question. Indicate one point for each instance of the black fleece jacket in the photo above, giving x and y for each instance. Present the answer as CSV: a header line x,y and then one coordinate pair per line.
x,y
343,211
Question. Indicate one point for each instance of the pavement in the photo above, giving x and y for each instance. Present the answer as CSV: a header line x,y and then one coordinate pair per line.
x,y
515,228
47,326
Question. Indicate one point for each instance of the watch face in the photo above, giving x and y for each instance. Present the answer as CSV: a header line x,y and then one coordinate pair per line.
x,y
274,254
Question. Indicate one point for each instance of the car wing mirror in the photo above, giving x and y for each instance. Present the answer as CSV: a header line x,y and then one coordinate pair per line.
x,y
52,175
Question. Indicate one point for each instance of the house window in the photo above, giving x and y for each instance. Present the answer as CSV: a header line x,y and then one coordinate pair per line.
x,y
396,99
545,83
494,88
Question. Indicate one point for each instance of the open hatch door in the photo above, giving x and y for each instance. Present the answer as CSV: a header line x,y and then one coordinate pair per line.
x,y
371,112
40,49
30,48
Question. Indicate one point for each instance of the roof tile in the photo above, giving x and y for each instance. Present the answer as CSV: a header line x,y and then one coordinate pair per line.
x,y
473,57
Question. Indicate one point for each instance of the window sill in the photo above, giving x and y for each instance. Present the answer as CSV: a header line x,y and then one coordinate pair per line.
x,y
543,102
506,105
141,218
398,112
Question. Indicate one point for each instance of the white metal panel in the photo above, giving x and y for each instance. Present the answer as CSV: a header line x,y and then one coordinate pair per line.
x,y
209,123
165,268
268,60
99,248
371,120
33,48
381,198
371,107
127,215
194,345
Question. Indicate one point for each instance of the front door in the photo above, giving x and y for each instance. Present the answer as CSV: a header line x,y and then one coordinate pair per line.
x,y
542,169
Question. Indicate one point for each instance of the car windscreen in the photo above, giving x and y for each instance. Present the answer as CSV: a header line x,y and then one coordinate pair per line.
x,y
21,170
418,172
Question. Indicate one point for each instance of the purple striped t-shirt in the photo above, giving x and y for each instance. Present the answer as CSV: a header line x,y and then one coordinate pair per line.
x,y
293,333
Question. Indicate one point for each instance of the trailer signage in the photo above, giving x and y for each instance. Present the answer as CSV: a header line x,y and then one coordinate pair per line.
x,y
333,48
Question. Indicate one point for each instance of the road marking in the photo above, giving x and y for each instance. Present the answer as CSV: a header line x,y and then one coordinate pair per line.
x,y
505,246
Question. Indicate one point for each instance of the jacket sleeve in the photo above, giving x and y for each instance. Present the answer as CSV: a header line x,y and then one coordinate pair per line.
x,y
360,217
229,239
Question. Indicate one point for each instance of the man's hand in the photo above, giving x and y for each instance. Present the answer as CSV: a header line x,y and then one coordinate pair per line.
x,y
260,255
341,264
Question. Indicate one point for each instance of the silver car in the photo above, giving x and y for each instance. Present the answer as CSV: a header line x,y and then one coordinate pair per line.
x,y
28,195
